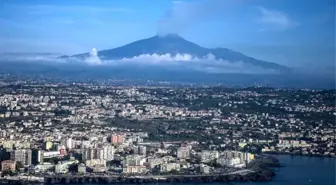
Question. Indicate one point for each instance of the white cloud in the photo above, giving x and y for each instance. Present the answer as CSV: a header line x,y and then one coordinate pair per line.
x,y
185,14
93,58
273,19
206,64
30,57
38,45
157,58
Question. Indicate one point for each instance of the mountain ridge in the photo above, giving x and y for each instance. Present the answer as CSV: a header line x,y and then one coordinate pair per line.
x,y
174,44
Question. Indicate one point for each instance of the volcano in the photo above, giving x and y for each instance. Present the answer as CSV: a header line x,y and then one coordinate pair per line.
x,y
174,44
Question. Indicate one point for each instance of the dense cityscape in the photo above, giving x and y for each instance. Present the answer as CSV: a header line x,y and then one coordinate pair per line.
x,y
167,92
50,129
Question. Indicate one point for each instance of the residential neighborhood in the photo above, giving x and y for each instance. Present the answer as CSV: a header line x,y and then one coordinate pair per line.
x,y
86,128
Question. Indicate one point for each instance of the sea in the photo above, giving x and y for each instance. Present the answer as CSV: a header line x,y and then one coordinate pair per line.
x,y
303,170
297,170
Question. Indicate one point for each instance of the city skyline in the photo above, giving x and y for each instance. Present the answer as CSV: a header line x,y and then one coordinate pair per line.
x,y
167,92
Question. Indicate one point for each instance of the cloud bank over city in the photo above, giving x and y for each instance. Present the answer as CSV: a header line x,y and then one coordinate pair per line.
x,y
206,64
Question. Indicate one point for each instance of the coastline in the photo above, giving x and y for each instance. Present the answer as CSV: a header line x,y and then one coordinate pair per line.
x,y
297,155
261,175
285,174
260,170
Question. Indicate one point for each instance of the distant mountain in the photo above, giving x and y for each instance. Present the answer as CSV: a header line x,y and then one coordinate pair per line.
x,y
174,44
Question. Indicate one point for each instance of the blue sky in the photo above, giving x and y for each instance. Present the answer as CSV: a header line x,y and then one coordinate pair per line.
x,y
290,32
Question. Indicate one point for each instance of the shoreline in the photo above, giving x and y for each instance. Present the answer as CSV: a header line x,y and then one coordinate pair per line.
x,y
259,170
239,176
257,176
297,155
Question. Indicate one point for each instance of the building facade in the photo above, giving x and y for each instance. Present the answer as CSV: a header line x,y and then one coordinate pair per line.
x,y
8,165
23,156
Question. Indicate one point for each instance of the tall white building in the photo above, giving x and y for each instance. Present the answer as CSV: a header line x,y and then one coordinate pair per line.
x,y
134,160
207,156
235,158
143,150
183,153
68,143
23,155
93,153
108,152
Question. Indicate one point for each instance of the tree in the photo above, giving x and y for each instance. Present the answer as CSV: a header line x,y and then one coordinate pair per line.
x,y
73,168
7,173
53,160
19,165
173,171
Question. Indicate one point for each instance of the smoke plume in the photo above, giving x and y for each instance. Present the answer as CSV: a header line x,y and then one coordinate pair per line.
x,y
93,58
184,15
